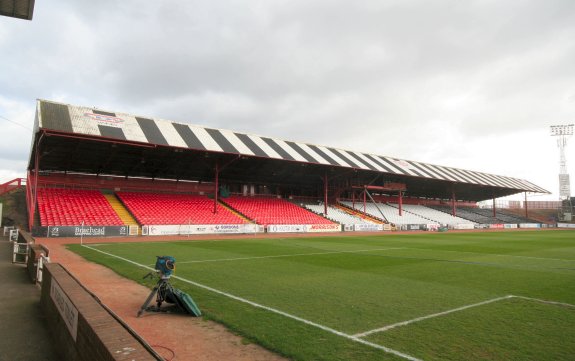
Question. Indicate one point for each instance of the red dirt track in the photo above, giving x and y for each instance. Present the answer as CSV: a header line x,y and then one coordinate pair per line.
x,y
174,337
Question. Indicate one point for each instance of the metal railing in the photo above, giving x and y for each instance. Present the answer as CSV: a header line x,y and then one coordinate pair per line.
x,y
40,267
19,252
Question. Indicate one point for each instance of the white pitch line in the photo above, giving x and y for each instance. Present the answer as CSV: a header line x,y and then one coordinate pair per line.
x,y
285,314
545,301
389,327
493,254
288,255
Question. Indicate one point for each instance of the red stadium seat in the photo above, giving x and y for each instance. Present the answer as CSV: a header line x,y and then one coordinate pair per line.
x,y
273,211
72,207
159,208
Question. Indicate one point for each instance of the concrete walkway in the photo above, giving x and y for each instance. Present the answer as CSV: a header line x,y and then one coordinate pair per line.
x,y
23,333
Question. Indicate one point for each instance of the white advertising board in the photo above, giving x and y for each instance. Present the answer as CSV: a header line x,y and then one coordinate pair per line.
x,y
133,230
322,228
367,227
286,228
303,228
464,226
432,227
185,229
529,225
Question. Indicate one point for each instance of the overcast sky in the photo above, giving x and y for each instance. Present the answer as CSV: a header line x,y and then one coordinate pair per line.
x,y
470,84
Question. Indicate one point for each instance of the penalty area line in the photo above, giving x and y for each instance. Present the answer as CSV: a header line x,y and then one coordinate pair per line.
x,y
408,322
554,303
273,310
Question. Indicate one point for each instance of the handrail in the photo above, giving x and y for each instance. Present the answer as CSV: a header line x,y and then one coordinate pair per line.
x,y
11,185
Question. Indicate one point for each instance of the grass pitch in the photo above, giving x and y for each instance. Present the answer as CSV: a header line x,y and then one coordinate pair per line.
x,y
440,296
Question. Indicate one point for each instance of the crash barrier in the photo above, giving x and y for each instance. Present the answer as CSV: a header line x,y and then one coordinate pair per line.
x,y
81,327
7,229
33,255
37,257
43,260
19,252
13,235
20,241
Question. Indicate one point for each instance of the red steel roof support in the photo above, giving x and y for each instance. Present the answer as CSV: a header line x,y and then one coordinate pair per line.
x,y
216,190
325,194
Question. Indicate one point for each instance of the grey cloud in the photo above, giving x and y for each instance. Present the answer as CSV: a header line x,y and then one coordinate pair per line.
x,y
364,75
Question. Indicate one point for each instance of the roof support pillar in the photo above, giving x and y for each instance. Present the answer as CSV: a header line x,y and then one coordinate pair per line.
x,y
494,214
325,194
400,202
453,212
30,200
217,177
525,205
33,198
364,200
216,189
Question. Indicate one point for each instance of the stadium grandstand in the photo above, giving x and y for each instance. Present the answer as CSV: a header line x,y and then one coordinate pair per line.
x,y
117,173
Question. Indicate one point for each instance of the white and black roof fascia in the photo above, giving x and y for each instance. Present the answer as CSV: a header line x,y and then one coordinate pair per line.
x,y
125,127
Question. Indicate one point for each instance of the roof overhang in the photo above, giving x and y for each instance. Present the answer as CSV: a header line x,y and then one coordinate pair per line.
x,y
85,140
21,9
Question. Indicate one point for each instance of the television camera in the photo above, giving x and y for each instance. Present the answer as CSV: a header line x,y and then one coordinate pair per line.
x,y
164,268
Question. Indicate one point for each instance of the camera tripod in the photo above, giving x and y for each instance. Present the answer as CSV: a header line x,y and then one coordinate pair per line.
x,y
163,291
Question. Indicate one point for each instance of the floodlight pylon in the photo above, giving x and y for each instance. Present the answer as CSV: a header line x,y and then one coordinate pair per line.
x,y
563,132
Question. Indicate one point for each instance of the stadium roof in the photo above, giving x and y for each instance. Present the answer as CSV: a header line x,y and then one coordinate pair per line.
x,y
21,9
88,140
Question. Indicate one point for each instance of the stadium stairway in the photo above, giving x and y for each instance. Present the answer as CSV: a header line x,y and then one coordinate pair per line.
x,y
358,213
238,214
121,211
